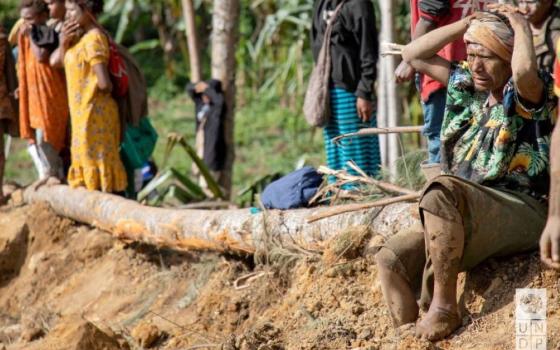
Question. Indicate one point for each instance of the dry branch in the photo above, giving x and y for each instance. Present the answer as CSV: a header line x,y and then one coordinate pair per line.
x,y
384,186
379,131
361,206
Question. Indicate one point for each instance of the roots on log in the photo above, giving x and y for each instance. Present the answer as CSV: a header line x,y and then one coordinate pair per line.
x,y
235,230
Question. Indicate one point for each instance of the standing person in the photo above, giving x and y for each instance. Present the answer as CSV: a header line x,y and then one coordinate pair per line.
x,y
425,16
96,129
354,49
544,18
210,110
43,103
57,12
8,105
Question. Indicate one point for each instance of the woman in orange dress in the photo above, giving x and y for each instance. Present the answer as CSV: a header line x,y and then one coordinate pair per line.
x,y
96,163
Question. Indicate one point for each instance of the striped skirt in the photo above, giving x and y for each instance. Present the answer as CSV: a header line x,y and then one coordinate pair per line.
x,y
364,151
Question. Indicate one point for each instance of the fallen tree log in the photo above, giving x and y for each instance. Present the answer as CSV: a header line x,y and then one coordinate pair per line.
x,y
236,230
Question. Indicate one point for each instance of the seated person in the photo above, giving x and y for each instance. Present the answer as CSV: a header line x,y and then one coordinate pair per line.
x,y
495,157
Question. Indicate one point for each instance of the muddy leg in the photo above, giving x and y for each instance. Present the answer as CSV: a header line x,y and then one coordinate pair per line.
x,y
397,291
445,241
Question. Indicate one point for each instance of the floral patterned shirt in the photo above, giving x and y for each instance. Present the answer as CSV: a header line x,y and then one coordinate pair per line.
x,y
506,145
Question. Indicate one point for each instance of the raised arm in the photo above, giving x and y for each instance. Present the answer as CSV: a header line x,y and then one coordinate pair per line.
x,y
523,60
422,55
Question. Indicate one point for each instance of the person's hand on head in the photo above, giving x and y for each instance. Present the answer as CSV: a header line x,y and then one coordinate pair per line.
x,y
550,243
513,13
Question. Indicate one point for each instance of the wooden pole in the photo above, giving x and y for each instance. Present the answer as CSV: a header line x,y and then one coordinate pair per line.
x,y
388,88
225,27
192,40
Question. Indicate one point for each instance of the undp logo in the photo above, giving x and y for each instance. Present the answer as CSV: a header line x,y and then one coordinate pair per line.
x,y
530,319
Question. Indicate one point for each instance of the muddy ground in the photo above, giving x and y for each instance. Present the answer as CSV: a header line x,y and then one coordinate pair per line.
x,y
68,286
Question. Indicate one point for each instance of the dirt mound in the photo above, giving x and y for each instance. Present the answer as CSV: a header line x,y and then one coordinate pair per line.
x,y
65,286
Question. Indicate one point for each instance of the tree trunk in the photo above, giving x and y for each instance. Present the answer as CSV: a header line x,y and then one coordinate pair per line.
x,y
237,230
165,39
225,27
192,40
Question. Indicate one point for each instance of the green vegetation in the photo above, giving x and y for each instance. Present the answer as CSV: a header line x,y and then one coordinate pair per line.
x,y
274,61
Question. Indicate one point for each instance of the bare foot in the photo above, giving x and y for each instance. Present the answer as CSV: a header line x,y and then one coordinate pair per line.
x,y
438,324
53,181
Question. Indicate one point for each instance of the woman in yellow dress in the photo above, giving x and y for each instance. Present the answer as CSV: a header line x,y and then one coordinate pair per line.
x,y
96,163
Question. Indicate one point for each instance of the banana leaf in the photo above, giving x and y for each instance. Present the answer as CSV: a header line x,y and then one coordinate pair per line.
x,y
168,178
172,140
176,196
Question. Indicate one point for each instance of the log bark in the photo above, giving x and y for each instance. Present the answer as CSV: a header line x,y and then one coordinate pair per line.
x,y
237,231
225,27
192,40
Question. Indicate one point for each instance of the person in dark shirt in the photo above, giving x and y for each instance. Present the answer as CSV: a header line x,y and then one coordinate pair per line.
x,y
210,111
354,51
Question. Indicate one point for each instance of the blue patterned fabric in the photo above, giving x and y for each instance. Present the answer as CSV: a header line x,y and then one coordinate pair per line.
x,y
364,151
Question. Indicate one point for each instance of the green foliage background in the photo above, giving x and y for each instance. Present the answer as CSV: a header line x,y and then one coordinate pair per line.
x,y
274,61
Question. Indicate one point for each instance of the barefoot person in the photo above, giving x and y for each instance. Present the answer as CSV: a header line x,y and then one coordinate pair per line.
x,y
425,16
96,163
495,150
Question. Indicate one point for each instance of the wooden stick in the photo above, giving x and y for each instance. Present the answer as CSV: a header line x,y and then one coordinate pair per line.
x,y
385,186
378,131
360,206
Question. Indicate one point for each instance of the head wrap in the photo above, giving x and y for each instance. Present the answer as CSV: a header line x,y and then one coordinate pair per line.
x,y
493,32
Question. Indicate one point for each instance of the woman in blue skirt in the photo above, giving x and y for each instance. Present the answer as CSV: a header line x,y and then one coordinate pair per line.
x,y
354,52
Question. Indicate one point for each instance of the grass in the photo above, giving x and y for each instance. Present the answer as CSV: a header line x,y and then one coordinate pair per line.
x,y
269,138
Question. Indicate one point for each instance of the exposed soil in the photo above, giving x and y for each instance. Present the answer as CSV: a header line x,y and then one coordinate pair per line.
x,y
67,286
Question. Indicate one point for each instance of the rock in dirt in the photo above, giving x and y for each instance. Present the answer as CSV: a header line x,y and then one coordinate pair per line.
x,y
75,333
10,334
147,335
